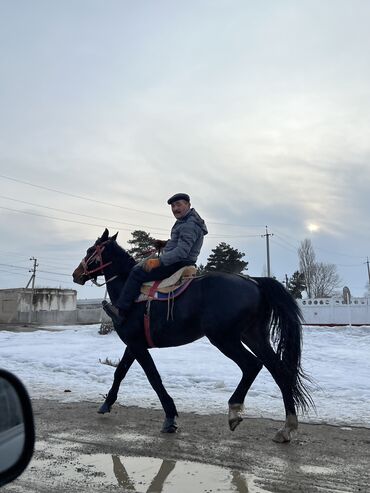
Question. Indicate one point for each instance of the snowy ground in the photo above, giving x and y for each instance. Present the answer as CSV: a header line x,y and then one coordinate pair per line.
x,y
198,376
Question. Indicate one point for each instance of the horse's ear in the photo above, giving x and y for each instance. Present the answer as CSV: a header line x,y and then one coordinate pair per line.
x,y
114,237
105,235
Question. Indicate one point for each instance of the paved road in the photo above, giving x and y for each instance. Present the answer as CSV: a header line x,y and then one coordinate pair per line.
x,y
78,450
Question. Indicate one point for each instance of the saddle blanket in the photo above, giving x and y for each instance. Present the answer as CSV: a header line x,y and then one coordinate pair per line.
x,y
168,288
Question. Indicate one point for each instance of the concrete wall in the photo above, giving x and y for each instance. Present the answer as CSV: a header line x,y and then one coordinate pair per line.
x,y
90,312
334,311
47,306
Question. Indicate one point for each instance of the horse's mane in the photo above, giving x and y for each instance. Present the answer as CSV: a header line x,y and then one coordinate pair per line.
x,y
121,252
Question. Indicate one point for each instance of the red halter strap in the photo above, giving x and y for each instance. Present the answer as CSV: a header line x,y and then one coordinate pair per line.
x,y
96,255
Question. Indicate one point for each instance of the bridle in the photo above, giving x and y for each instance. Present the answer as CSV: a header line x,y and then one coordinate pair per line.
x,y
96,256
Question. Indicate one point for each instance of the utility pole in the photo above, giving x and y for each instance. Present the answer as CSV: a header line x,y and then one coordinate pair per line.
x,y
32,279
267,235
368,269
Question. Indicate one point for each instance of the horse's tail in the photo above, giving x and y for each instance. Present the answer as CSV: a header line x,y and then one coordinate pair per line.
x,y
285,326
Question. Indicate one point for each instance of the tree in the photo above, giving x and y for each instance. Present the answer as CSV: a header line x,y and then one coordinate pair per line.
x,y
227,259
325,280
141,243
321,279
201,270
307,260
296,284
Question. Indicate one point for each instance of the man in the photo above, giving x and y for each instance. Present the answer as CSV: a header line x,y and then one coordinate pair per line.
x,y
180,250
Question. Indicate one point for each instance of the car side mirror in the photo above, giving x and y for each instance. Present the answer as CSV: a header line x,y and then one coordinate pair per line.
x,y
17,430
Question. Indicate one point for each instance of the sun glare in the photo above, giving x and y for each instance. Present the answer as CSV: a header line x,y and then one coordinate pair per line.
x,y
313,227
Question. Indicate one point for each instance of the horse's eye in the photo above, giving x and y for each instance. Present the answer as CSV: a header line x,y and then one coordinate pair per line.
x,y
89,252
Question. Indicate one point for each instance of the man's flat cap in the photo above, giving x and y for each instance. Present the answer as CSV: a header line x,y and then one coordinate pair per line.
x,y
178,196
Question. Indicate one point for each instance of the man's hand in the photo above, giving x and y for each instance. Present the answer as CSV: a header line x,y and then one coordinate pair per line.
x,y
151,263
159,244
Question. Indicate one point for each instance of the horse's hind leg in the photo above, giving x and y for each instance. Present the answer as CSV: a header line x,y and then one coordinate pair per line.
x,y
123,366
250,367
273,364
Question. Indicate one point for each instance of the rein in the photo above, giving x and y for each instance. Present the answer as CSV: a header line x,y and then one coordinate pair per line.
x,y
97,256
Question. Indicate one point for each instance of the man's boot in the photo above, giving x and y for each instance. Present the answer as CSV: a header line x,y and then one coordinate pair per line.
x,y
113,312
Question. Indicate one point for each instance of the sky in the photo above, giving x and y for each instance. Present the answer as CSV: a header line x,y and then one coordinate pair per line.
x,y
260,111
67,358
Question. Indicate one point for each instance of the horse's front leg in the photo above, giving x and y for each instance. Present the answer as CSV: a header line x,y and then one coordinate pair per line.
x,y
146,362
123,366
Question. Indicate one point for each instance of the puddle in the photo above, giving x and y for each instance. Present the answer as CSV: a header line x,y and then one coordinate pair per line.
x,y
152,475
346,428
317,469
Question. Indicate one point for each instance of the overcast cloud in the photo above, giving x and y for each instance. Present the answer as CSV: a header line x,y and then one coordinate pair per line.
x,y
259,110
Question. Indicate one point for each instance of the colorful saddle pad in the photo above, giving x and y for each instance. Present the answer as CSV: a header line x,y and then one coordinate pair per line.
x,y
168,288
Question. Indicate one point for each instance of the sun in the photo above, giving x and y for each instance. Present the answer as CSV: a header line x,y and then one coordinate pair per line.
x,y
312,227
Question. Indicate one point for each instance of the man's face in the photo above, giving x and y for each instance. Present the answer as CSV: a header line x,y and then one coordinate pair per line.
x,y
180,208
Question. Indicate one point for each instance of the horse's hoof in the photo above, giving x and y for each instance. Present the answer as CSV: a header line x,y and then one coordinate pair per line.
x,y
169,426
235,415
104,408
282,436
233,423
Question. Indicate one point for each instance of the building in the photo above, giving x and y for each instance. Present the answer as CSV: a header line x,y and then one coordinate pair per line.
x,y
48,306
39,306
335,311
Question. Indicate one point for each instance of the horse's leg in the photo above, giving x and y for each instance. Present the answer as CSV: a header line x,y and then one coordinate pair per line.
x,y
123,366
269,358
250,367
146,362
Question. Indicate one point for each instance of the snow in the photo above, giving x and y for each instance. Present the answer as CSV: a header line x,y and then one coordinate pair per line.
x,y
198,376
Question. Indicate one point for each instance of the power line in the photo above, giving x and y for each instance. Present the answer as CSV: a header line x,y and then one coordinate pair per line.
x,y
114,205
276,242
350,265
38,277
74,213
44,271
108,226
116,222
287,242
319,248
232,236
12,272
60,218
340,254
15,266
56,273
80,196
55,280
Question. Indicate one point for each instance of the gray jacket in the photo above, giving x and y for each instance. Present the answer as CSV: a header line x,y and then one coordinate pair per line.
x,y
186,239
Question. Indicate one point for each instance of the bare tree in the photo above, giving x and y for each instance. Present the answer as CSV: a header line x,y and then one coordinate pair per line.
x,y
325,279
321,279
307,262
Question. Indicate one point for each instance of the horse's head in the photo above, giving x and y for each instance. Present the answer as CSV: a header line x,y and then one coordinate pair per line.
x,y
105,255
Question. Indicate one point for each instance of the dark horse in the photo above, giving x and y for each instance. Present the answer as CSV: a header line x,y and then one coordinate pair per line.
x,y
232,311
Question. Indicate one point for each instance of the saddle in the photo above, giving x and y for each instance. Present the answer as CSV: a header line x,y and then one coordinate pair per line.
x,y
170,287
